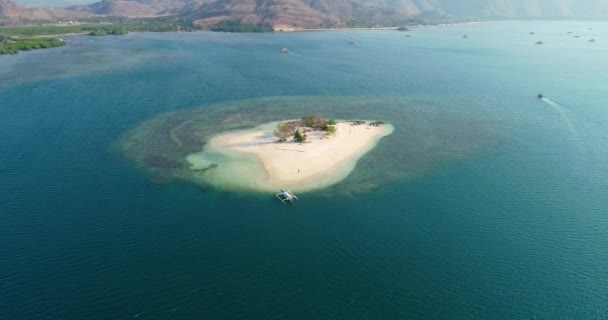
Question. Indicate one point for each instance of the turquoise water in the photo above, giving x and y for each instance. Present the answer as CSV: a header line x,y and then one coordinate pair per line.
x,y
517,230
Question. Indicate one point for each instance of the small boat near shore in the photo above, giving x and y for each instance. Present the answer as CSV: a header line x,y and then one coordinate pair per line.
x,y
286,196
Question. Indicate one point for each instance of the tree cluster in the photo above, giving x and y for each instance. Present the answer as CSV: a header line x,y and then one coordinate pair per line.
x,y
238,26
12,46
109,30
297,129
105,25
314,121
285,130
94,26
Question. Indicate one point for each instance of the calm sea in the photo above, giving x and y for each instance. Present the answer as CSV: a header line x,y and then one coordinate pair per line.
x,y
517,230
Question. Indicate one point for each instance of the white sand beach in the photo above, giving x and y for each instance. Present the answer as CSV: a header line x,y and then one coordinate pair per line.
x,y
255,160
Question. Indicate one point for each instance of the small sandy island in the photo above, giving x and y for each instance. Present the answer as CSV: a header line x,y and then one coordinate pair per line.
x,y
299,155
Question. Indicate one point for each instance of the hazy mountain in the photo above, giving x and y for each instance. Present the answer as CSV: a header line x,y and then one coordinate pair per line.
x,y
14,12
331,9
272,12
139,7
324,13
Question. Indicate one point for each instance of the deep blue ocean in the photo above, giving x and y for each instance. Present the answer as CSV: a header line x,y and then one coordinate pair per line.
x,y
516,230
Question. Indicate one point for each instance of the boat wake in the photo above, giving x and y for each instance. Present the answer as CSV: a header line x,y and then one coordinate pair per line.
x,y
551,102
560,109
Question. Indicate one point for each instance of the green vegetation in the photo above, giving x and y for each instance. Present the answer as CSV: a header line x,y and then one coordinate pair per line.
x,y
16,39
12,45
39,30
331,129
103,26
93,29
299,137
238,26
104,31
285,130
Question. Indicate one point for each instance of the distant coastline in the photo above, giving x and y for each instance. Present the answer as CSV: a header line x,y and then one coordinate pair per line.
x,y
415,26
11,36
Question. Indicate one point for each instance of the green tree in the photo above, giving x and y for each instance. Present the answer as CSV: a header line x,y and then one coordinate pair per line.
x,y
299,137
98,33
239,26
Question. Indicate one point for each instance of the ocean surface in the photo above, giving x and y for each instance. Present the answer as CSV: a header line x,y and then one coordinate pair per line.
x,y
517,229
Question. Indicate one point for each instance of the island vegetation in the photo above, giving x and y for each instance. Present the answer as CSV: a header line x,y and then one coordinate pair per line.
x,y
9,45
238,26
104,31
96,26
14,39
298,129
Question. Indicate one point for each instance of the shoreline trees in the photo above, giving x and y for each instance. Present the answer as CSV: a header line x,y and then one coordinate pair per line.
x,y
297,129
10,45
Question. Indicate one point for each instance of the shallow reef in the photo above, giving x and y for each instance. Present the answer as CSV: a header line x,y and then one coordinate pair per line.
x,y
426,134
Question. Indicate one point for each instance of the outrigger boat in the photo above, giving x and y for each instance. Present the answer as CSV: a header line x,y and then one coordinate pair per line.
x,y
286,196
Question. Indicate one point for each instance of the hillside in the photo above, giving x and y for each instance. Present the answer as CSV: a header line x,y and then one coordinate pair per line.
x,y
139,8
288,14
279,13
269,12
14,13
314,13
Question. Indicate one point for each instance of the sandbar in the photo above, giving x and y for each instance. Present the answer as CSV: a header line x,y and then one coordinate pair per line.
x,y
255,160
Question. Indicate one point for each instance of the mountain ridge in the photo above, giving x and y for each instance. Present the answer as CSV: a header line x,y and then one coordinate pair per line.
x,y
16,12
317,13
